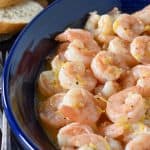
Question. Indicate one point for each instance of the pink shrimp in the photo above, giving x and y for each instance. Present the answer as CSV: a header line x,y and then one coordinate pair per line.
x,y
105,68
140,142
78,104
143,15
79,34
74,74
49,114
140,49
66,133
121,48
128,27
128,104
77,52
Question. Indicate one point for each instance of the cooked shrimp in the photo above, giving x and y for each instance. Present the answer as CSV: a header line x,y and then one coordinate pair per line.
x,y
62,47
105,25
141,71
79,34
121,48
147,7
77,52
136,129
144,85
92,22
143,15
140,49
114,13
74,74
103,39
127,80
112,130
49,114
139,128
93,141
78,105
86,147
57,62
114,144
104,67
48,83
59,59
128,27
140,142
69,131
104,33
123,129
108,89
128,104
68,148
88,141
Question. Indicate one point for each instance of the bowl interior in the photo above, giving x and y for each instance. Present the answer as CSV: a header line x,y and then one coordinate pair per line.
x,y
27,54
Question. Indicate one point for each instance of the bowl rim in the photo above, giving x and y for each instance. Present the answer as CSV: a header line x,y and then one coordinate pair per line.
x,y
18,132
22,137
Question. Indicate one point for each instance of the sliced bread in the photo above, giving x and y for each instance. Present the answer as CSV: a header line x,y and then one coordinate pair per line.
x,y
15,17
7,3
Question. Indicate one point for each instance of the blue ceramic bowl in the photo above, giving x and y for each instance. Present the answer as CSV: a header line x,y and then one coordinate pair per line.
x,y
26,56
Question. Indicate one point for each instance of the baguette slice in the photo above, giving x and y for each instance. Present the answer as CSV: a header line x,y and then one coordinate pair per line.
x,y
14,18
7,3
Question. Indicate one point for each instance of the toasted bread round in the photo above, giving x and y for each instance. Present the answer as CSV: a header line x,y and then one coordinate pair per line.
x,y
7,3
8,27
14,18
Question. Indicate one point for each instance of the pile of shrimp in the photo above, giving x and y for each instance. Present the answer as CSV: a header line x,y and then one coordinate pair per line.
x,y
97,92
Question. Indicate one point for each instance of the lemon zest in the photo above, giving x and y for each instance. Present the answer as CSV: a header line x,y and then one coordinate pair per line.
x,y
107,145
79,105
123,122
59,113
57,69
138,57
55,83
140,129
147,28
93,146
56,73
146,74
115,71
100,98
107,60
100,110
142,119
85,50
115,25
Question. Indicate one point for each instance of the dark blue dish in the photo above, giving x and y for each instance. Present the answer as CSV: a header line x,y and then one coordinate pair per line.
x,y
25,59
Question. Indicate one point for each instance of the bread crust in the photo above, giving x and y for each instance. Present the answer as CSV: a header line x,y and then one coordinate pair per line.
x,y
6,28
8,25
7,3
44,3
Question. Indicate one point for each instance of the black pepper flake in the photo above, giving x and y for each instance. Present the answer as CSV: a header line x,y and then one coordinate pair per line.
x,y
77,82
